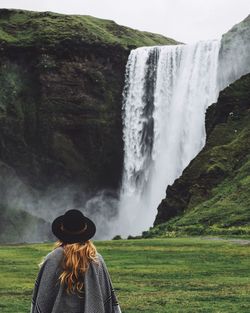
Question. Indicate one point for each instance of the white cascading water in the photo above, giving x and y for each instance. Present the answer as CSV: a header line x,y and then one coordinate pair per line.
x,y
167,91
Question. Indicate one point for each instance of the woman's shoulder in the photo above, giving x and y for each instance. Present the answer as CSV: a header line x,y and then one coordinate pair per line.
x,y
101,260
55,255
99,257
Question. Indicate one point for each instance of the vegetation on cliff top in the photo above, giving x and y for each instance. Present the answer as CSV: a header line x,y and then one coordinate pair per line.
x,y
26,28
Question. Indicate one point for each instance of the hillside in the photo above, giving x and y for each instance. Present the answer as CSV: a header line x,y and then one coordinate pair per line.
x,y
28,29
213,193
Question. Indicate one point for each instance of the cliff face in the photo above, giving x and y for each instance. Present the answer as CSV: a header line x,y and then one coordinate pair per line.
x,y
61,80
60,114
234,57
212,195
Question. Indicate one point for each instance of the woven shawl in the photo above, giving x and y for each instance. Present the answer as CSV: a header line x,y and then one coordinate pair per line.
x,y
49,296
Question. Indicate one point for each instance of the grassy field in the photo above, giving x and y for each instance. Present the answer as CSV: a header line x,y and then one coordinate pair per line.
x,y
150,276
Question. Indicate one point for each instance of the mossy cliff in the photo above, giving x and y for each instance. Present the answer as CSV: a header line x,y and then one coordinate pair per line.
x,y
61,81
212,196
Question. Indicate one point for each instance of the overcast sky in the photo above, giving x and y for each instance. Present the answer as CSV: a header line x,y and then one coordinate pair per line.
x,y
183,20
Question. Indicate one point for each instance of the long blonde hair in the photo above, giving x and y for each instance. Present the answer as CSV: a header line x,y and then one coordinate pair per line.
x,y
77,257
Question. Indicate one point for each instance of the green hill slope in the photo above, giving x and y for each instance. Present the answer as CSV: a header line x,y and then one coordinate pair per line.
x,y
212,196
25,28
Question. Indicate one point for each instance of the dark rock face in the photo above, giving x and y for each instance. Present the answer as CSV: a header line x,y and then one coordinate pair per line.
x,y
224,159
60,114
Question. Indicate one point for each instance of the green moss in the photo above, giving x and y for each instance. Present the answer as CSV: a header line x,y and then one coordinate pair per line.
x,y
24,28
10,87
6,37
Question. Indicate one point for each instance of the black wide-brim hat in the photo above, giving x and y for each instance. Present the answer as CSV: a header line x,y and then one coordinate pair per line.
x,y
73,227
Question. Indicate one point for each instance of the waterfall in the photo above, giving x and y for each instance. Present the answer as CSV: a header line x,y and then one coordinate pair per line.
x,y
167,91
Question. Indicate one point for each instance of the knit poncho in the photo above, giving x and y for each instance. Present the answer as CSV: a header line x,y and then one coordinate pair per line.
x,y
49,296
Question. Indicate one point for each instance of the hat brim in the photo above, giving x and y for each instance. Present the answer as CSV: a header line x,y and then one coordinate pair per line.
x,y
73,238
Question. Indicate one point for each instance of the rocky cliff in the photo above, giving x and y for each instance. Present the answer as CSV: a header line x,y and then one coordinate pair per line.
x,y
213,193
234,58
61,81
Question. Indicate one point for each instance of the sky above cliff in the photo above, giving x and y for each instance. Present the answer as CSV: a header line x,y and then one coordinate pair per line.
x,y
183,20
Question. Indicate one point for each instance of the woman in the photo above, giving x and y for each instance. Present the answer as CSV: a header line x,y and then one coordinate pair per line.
x,y
74,278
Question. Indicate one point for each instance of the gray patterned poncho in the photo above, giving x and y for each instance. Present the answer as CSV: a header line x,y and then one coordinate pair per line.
x,y
49,296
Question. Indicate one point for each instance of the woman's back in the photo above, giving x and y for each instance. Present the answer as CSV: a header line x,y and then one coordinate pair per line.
x,y
51,296
74,279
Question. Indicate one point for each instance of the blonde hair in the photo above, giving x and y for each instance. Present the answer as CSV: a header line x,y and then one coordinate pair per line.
x,y
77,257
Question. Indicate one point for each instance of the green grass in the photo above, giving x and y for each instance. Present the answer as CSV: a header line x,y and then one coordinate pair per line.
x,y
150,276
25,28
